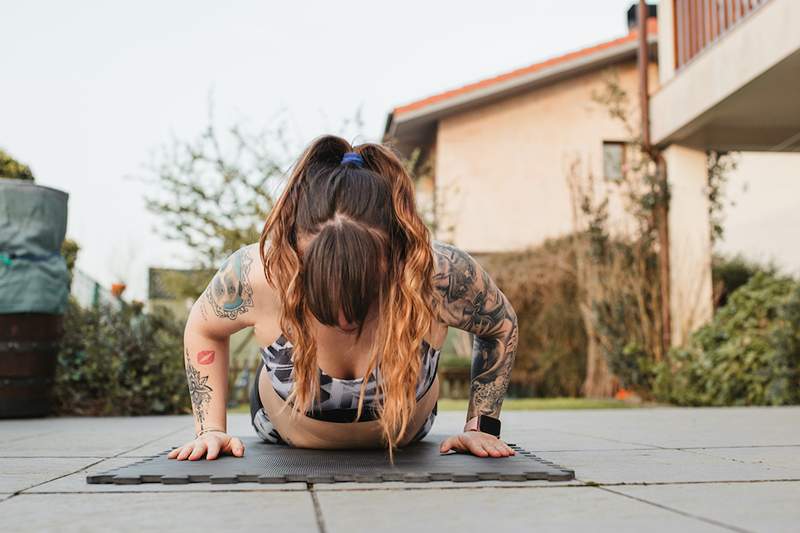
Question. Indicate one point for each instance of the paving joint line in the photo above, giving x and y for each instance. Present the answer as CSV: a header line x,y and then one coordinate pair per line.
x,y
466,486
678,511
317,508
84,468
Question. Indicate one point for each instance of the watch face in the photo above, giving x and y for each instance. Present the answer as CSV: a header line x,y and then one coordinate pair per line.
x,y
488,424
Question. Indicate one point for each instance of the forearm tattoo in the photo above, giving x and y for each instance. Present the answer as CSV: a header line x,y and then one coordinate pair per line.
x,y
468,299
230,293
199,391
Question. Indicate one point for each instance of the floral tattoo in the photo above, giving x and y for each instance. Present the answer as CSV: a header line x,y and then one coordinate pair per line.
x,y
199,391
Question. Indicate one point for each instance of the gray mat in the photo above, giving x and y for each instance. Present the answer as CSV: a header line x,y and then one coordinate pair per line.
x,y
269,463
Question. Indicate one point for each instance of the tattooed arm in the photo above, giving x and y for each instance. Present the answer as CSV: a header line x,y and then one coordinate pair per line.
x,y
467,299
226,306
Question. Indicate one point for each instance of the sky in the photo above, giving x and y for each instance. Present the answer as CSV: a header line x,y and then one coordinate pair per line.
x,y
90,90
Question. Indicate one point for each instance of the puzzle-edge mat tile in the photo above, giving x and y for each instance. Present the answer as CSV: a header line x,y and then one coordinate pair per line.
x,y
421,462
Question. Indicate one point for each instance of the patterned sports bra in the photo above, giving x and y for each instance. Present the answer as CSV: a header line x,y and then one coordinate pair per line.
x,y
339,397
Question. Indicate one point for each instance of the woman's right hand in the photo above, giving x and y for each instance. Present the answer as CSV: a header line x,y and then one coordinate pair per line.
x,y
210,444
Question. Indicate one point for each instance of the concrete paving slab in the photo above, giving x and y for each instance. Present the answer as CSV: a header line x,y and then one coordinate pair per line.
x,y
672,427
662,466
786,457
77,483
489,509
434,485
18,474
190,512
544,440
238,425
88,437
772,506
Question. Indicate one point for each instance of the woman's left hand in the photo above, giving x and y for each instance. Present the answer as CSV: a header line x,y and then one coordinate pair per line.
x,y
477,443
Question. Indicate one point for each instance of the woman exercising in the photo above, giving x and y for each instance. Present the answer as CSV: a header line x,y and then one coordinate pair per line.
x,y
351,302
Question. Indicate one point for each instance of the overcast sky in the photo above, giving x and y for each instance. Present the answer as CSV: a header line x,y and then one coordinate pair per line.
x,y
88,89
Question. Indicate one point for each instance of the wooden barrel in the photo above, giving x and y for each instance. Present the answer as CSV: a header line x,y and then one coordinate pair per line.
x,y
28,350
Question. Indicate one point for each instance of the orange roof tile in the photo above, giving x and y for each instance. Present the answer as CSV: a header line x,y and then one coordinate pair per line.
x,y
652,28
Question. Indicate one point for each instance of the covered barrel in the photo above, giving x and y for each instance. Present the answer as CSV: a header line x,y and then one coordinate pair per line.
x,y
34,287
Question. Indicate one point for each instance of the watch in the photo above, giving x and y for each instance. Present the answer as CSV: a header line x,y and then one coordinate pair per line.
x,y
485,424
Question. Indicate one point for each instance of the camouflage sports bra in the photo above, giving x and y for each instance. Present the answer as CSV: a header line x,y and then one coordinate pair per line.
x,y
339,397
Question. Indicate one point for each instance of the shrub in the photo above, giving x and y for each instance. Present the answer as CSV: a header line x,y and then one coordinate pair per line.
x,y
120,362
748,355
730,273
13,169
541,284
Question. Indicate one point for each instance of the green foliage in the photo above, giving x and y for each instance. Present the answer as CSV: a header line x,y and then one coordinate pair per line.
x,y
120,362
13,169
625,311
541,284
452,360
730,273
720,165
748,355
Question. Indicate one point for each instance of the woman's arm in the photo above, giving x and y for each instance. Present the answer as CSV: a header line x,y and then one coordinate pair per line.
x,y
468,299
227,305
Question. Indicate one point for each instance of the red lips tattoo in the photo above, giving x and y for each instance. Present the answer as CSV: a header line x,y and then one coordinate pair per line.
x,y
206,357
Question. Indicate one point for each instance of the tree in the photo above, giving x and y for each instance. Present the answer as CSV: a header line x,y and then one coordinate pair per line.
x,y
13,169
215,191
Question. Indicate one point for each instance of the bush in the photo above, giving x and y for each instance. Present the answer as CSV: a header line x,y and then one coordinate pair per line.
x,y
541,284
13,169
730,273
120,362
748,355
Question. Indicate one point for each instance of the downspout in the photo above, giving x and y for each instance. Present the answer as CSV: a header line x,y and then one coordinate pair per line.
x,y
662,207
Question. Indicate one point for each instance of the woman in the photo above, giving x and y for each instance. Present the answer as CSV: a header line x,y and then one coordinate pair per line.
x,y
351,308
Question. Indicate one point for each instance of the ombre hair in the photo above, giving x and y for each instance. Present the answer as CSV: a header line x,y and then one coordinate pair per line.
x,y
366,246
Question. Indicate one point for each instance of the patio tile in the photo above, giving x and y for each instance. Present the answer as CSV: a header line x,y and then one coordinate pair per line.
x,y
671,427
18,474
662,466
487,509
784,457
77,483
771,506
433,485
87,437
190,512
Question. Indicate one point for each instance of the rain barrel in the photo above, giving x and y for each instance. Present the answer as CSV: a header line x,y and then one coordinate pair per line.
x,y
34,288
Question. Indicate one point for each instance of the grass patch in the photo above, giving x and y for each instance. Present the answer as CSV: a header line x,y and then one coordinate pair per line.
x,y
518,404
541,404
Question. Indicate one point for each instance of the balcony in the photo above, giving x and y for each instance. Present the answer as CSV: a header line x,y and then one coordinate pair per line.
x,y
698,24
730,74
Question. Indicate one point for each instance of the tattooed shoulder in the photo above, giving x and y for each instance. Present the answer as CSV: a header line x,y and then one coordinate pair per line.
x,y
467,298
230,292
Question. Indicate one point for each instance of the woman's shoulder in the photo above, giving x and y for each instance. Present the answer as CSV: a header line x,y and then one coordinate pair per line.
x,y
265,295
449,259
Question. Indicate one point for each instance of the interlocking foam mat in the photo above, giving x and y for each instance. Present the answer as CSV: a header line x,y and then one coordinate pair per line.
x,y
269,463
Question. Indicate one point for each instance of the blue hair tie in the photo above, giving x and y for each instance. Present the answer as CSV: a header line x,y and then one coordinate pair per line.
x,y
352,157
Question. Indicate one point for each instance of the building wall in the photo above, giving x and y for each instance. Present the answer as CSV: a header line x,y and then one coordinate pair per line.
x,y
691,299
762,210
501,169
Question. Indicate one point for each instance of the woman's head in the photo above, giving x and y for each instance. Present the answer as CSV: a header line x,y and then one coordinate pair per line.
x,y
346,246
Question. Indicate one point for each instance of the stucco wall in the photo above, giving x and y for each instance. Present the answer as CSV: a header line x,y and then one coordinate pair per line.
x,y
501,169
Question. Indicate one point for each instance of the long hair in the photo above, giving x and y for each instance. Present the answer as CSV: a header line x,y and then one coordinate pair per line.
x,y
366,246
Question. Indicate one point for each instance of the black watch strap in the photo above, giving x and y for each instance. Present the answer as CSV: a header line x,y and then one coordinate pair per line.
x,y
490,425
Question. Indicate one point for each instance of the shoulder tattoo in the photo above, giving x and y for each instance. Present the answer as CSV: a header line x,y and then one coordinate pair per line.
x,y
230,293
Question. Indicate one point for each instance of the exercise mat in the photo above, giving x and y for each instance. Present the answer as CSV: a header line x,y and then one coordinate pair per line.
x,y
271,463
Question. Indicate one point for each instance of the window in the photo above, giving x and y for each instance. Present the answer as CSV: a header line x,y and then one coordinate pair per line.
x,y
613,160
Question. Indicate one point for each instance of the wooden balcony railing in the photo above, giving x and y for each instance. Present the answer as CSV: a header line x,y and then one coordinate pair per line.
x,y
699,23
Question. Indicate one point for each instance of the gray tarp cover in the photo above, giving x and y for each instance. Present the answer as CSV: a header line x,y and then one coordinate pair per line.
x,y
33,223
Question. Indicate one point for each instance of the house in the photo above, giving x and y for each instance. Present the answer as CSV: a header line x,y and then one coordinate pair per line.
x,y
729,74
500,148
